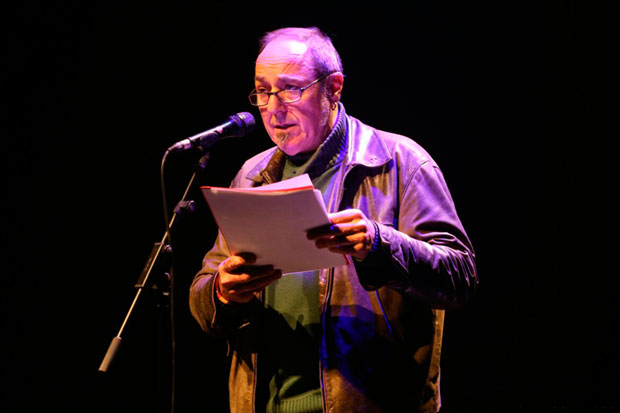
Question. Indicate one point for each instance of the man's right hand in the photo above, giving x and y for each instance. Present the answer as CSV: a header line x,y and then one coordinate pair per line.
x,y
238,279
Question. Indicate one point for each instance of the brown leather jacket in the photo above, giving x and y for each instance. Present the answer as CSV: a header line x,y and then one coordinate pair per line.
x,y
382,319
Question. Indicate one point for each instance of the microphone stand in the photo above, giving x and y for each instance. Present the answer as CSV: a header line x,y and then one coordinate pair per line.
x,y
159,248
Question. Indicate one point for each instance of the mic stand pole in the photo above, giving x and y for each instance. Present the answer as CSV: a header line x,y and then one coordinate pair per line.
x,y
159,247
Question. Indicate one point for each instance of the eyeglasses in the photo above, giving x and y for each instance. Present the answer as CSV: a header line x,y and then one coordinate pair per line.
x,y
291,95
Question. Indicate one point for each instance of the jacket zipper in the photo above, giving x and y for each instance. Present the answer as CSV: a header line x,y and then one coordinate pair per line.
x,y
254,380
335,204
385,317
255,362
323,350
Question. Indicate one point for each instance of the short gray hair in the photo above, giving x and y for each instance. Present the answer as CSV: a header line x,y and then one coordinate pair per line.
x,y
324,55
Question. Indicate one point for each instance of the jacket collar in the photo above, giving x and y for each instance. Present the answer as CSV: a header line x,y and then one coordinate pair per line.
x,y
365,147
269,169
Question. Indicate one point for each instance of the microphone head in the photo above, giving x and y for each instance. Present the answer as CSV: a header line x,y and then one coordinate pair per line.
x,y
244,122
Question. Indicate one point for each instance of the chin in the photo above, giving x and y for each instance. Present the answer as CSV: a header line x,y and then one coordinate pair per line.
x,y
289,150
287,144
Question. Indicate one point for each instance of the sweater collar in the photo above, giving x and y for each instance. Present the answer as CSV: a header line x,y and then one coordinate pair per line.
x,y
331,152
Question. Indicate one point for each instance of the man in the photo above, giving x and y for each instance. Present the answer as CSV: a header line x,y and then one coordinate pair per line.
x,y
359,337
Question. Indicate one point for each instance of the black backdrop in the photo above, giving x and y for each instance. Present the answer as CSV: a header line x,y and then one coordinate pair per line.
x,y
504,96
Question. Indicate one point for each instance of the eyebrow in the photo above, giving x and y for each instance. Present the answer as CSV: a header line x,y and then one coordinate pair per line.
x,y
282,77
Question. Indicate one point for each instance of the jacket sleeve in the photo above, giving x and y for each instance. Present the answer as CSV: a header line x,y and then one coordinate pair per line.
x,y
429,255
202,300
214,317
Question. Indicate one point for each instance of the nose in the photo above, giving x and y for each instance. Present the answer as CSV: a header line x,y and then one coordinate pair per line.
x,y
274,105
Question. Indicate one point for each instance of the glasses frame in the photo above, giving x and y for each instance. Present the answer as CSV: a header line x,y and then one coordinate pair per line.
x,y
277,94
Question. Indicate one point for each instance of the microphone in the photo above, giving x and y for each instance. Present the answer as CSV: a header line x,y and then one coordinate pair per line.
x,y
235,127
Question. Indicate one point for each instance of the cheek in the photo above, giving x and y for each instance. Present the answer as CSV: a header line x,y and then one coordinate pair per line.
x,y
310,119
265,117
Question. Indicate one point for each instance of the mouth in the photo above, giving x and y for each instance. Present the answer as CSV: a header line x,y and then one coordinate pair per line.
x,y
283,127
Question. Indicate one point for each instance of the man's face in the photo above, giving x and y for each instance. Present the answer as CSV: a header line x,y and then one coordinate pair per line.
x,y
298,127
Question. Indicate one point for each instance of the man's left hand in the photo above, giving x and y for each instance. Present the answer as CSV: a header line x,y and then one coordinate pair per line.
x,y
350,232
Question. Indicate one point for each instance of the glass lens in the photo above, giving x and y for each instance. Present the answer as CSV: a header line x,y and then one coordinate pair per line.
x,y
259,99
285,96
289,95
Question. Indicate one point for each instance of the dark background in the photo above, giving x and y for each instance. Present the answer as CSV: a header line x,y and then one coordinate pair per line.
x,y
508,99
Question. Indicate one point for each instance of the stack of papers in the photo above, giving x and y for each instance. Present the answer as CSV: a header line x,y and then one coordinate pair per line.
x,y
271,222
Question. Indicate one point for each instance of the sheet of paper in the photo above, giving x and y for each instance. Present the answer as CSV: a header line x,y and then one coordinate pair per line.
x,y
271,221
296,183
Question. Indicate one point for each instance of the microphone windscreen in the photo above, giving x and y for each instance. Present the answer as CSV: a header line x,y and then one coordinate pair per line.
x,y
247,122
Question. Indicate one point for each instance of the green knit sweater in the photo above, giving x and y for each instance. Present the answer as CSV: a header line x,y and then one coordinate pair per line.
x,y
289,363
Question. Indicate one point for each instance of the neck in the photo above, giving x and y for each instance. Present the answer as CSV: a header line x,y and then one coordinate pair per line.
x,y
331,145
333,118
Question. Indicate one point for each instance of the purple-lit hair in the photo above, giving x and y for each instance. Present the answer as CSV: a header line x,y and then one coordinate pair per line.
x,y
324,55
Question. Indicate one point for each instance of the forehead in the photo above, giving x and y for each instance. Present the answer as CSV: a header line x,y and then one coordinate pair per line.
x,y
284,56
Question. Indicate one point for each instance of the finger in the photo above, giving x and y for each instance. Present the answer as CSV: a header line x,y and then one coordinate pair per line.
x,y
336,229
255,285
247,291
348,215
233,262
323,231
246,274
346,249
351,227
343,240
336,219
249,257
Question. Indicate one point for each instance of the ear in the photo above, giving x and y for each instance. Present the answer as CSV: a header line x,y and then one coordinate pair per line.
x,y
334,86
